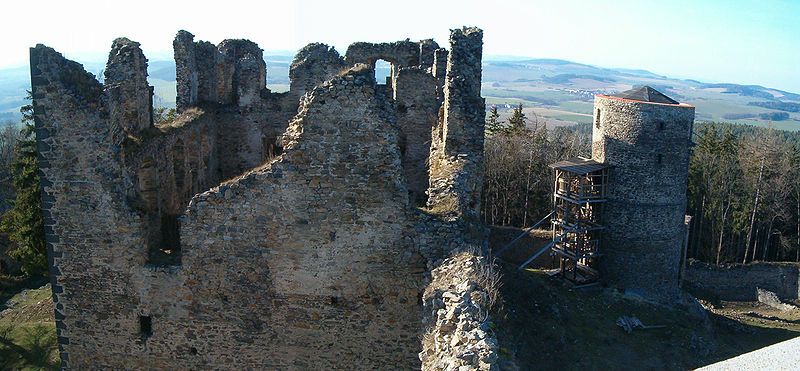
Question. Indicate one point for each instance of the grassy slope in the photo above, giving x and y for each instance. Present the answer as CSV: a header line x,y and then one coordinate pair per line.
x,y
543,325
27,330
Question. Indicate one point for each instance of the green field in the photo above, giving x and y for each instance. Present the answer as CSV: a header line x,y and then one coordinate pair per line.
x,y
563,92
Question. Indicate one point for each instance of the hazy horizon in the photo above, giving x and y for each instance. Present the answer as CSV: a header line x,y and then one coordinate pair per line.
x,y
712,41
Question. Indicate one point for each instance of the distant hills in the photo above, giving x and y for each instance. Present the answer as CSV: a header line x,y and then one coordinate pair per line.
x,y
554,91
562,92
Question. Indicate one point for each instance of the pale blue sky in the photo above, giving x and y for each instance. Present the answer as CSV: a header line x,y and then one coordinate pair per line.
x,y
738,41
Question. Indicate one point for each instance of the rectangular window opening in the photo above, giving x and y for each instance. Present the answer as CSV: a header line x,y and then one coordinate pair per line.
x,y
165,246
145,326
597,119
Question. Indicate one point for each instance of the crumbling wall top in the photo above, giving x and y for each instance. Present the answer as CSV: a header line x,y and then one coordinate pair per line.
x,y
49,66
427,48
129,95
240,48
401,53
218,74
126,60
312,65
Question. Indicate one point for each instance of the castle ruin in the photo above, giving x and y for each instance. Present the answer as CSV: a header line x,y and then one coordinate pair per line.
x,y
646,138
620,215
262,230
332,226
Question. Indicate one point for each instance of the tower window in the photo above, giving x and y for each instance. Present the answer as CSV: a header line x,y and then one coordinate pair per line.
x,y
145,326
660,125
659,158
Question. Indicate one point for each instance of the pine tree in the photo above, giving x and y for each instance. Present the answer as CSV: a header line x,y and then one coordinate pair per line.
x,y
517,121
23,222
493,124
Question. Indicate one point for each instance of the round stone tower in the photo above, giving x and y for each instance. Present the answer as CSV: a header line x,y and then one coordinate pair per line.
x,y
646,137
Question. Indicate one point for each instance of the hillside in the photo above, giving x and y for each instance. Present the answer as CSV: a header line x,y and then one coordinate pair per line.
x,y
556,91
562,92
27,330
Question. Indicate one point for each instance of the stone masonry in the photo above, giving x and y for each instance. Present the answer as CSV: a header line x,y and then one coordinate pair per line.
x,y
263,230
648,146
740,282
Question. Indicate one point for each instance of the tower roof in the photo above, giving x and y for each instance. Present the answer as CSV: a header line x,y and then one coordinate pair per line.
x,y
646,94
579,165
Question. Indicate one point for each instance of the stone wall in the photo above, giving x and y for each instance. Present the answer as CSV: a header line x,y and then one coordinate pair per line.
x,y
417,113
186,72
165,168
400,53
647,145
427,49
230,79
439,70
322,266
70,113
457,303
456,158
314,64
738,282
130,98
311,256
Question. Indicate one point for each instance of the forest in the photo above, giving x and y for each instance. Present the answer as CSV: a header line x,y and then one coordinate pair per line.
x,y
743,191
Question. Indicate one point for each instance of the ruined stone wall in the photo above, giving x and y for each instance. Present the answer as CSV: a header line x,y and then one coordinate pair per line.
x,y
106,191
439,70
456,158
130,97
277,268
213,74
457,303
427,49
738,282
457,298
399,53
647,145
186,71
329,263
417,113
230,79
164,169
313,64
90,251
313,258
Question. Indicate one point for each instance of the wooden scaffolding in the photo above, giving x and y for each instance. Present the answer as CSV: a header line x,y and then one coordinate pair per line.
x,y
579,192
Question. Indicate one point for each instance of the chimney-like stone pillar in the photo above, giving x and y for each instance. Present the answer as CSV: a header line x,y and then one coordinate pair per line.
x,y
129,101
